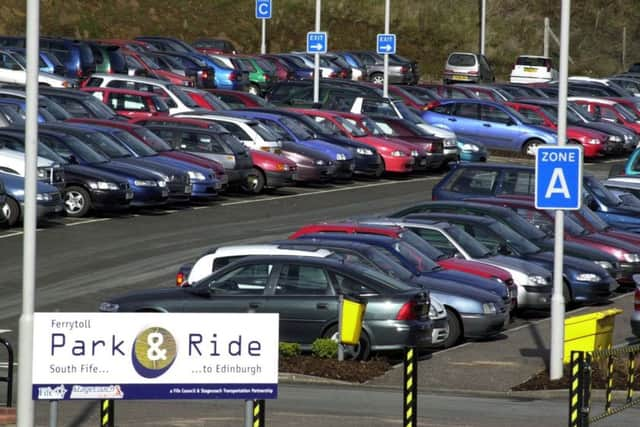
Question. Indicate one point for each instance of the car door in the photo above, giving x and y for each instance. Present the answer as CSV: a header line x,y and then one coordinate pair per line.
x,y
240,290
10,70
498,129
468,182
133,106
305,299
465,119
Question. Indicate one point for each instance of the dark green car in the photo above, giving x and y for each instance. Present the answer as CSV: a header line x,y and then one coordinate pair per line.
x,y
262,74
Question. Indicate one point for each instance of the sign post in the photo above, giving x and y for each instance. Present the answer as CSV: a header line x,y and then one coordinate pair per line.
x,y
263,12
317,44
389,44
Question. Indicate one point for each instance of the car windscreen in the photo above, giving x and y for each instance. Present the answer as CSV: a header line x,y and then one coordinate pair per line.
x,y
417,259
583,111
388,264
473,247
214,101
149,62
20,59
603,194
532,61
230,141
12,116
628,114
352,126
277,130
153,140
98,109
419,243
105,145
523,227
380,277
461,60
53,108
182,96
516,240
79,149
134,144
263,131
300,131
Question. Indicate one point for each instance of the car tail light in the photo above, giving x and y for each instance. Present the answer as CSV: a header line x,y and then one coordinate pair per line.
x,y
332,75
404,69
205,75
474,73
180,279
233,76
407,311
430,105
266,77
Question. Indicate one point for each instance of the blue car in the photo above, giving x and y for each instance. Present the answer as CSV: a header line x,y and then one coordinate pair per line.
x,y
496,125
48,198
290,130
15,110
49,63
149,188
202,179
492,179
471,150
459,296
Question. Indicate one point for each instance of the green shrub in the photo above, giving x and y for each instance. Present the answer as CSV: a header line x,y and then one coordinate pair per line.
x,y
289,349
324,348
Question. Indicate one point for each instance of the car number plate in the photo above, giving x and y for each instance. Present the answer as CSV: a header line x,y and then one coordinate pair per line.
x,y
218,185
423,162
187,189
462,78
165,193
128,195
530,69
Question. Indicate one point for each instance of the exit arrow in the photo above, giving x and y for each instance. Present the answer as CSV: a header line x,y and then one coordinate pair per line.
x,y
386,47
317,46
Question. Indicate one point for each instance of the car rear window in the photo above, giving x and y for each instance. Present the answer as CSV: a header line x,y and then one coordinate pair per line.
x,y
533,62
462,60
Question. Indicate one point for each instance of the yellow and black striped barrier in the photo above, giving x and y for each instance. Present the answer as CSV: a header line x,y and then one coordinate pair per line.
x,y
258,413
107,413
582,363
410,415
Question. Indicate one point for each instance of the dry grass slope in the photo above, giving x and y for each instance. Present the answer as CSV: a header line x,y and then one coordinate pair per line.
x,y
427,30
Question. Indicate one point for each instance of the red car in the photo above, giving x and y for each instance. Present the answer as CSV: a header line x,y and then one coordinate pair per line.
x,y
143,61
610,111
277,170
471,267
397,156
130,103
283,71
205,100
238,99
163,149
593,141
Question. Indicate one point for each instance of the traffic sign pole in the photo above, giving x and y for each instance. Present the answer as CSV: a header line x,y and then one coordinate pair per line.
x,y
263,12
385,83
263,44
557,299
316,63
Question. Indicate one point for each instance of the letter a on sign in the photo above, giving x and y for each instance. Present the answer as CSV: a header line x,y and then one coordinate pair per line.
x,y
558,173
557,185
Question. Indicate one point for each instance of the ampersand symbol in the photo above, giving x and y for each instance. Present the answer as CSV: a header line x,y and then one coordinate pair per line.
x,y
155,353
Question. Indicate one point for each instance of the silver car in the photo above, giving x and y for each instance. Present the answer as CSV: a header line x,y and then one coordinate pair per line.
x,y
468,68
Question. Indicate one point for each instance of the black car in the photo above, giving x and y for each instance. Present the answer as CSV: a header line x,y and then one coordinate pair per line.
x,y
80,104
304,291
86,187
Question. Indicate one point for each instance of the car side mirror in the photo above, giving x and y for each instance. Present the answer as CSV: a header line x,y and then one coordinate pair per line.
x,y
503,249
458,255
71,159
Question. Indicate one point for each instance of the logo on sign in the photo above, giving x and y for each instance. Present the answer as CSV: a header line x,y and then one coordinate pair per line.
x,y
386,44
558,177
53,393
154,351
316,42
263,9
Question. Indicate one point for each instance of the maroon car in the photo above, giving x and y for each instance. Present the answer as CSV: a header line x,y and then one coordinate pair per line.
x,y
627,253
132,104
276,170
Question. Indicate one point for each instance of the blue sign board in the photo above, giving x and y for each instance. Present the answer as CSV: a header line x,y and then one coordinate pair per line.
x,y
316,42
263,9
386,43
558,183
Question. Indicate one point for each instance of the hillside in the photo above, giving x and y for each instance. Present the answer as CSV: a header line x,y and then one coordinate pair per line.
x,y
426,30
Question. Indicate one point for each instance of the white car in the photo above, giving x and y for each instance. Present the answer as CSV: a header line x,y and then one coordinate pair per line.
x,y
173,95
533,69
13,162
251,133
13,70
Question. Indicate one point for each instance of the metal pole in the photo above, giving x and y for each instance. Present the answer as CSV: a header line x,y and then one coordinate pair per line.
x,y
248,413
316,65
546,37
483,25
25,410
53,413
263,44
410,390
624,48
385,83
557,300
340,345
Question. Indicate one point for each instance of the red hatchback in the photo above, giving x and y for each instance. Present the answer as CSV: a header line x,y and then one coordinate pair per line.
x,y
130,103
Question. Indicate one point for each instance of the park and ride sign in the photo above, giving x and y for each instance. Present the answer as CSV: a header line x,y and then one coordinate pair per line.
x,y
155,356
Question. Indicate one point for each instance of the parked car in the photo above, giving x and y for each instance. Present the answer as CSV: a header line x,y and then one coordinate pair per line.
x,y
236,99
297,69
130,103
214,45
199,72
109,58
206,99
401,70
85,188
397,314
13,70
76,103
610,111
48,199
48,171
467,67
533,69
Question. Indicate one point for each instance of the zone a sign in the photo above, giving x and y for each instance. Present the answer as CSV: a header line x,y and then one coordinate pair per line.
x,y
558,183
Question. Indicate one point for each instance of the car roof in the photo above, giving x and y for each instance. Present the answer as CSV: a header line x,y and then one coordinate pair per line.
x,y
474,219
347,227
91,89
67,93
406,221
134,79
320,243
471,100
265,249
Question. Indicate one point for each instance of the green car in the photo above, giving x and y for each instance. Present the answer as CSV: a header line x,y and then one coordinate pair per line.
x,y
109,59
262,74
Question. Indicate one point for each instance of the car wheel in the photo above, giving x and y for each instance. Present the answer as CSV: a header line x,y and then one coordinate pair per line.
x,y
528,149
455,329
253,89
361,351
381,169
11,212
566,294
77,202
377,78
255,182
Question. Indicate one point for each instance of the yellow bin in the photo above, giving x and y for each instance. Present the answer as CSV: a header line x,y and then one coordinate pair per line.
x,y
589,332
351,321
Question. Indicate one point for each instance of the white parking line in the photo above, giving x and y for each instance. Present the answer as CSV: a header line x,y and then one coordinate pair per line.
x,y
5,236
87,221
332,190
197,208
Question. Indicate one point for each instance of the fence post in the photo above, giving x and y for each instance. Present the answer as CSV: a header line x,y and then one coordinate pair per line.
x,y
410,388
609,387
586,389
631,376
575,389
258,413
107,413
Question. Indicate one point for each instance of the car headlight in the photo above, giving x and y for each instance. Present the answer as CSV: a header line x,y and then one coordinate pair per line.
x,y
593,141
148,183
537,280
43,173
604,264
628,137
341,156
588,277
319,162
631,257
470,147
103,185
615,138
489,308
282,167
44,197
398,153
449,143
432,311
109,307
414,153
364,151
196,176
66,83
